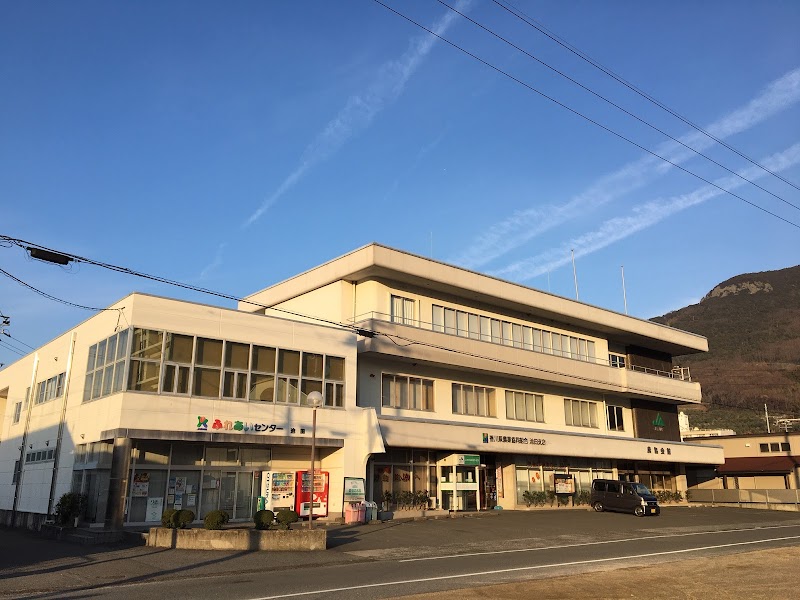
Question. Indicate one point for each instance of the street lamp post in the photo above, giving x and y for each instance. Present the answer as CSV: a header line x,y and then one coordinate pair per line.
x,y
314,401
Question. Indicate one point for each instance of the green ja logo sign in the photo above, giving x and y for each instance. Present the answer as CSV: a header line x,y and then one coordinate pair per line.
x,y
658,421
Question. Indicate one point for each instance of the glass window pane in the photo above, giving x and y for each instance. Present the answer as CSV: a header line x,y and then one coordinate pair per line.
x,y
308,386
427,394
168,385
546,345
122,344
209,352
119,375
312,365
262,388
461,323
474,327
183,380
206,381
539,408
92,357
585,414
101,353
228,382
457,399
111,349
449,321
497,337
527,338
146,344
178,348
537,340
87,387
236,355
590,348
241,386
108,379
288,362
97,387
437,318
573,347
510,412
335,368
143,376
508,339
263,359
401,389
592,414
486,329
519,402
516,331
472,401
530,407
568,412
386,394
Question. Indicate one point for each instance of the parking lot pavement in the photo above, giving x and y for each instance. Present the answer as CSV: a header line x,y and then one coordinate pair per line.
x,y
30,564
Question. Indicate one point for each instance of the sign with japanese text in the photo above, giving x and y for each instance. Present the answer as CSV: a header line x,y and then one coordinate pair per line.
x,y
220,425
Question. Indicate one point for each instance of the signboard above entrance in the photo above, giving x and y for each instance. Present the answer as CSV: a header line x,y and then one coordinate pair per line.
x,y
468,460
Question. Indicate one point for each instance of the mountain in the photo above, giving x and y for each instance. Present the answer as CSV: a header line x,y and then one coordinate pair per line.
x,y
752,323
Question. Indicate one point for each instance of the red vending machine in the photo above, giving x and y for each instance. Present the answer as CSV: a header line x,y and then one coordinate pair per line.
x,y
302,496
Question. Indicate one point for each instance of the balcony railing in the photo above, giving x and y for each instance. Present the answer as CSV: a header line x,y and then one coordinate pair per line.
x,y
677,372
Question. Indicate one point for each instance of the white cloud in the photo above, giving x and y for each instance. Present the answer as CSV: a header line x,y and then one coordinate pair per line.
x,y
524,225
360,109
642,217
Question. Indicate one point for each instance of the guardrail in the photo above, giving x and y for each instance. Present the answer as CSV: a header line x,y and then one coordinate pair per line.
x,y
775,499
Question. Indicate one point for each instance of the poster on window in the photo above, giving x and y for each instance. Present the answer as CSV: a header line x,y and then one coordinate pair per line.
x,y
180,485
155,508
141,485
564,483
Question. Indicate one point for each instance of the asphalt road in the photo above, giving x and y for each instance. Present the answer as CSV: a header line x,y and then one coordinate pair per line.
x,y
397,559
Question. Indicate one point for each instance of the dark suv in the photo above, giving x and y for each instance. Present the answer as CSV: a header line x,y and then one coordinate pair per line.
x,y
625,496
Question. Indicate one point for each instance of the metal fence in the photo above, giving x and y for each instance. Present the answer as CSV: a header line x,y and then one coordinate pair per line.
x,y
778,499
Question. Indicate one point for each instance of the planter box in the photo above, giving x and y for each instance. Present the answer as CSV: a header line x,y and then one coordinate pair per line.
x,y
237,539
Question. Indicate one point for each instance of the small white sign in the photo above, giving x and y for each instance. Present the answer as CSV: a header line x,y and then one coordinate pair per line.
x,y
155,508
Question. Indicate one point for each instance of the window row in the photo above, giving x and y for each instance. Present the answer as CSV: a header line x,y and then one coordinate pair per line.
x,y
39,456
49,389
172,363
478,327
775,447
415,393
105,368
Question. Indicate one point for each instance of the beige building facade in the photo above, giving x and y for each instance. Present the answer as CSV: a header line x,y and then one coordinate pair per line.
x,y
487,389
442,387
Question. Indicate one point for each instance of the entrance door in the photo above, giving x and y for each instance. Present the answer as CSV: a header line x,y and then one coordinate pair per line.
x,y
236,494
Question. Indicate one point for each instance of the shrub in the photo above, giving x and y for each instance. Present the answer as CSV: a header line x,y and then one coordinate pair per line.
x,y
69,506
286,518
421,499
168,518
583,497
264,519
183,518
551,497
215,519
677,496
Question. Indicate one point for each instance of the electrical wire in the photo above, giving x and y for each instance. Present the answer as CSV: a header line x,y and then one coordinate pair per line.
x,y
18,340
615,105
352,327
583,116
48,296
7,346
507,6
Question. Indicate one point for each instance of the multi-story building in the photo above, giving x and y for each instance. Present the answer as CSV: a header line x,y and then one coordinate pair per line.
x,y
437,381
486,389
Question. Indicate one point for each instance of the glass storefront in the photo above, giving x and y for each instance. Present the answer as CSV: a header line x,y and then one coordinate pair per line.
x,y
400,472
195,476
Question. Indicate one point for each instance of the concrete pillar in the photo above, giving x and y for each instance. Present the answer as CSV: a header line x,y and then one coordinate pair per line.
x,y
118,485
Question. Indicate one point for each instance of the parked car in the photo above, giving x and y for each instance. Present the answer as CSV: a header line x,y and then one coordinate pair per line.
x,y
624,496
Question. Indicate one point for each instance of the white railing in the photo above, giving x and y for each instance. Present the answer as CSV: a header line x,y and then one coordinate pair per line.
x,y
681,373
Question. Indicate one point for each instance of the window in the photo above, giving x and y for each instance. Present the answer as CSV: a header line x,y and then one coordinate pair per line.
x,y
50,389
288,380
234,382
17,412
785,447
262,379
334,384
764,447
207,361
524,406
402,310
411,393
145,368
580,413
473,400
178,350
774,447
614,414
616,360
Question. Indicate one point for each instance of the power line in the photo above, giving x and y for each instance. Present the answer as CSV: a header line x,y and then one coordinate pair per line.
x,y
583,116
17,340
582,55
48,296
352,327
615,105
7,346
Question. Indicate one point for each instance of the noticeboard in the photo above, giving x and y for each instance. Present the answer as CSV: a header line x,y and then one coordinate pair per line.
x,y
564,483
354,489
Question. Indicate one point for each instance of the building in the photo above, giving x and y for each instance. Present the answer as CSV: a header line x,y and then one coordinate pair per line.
x,y
440,384
768,461
157,403
486,389
688,432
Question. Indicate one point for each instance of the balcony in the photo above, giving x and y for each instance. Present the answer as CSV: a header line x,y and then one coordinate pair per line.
x,y
419,341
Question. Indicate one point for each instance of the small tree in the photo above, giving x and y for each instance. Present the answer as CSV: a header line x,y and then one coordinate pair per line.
x,y
70,506
184,518
168,518
215,519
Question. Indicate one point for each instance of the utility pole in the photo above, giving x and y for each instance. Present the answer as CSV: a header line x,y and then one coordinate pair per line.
x,y
766,414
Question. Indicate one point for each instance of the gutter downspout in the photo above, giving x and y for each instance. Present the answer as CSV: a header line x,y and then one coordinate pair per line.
x,y
57,460
30,401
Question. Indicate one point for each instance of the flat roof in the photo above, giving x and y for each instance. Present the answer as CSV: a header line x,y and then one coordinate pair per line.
x,y
376,261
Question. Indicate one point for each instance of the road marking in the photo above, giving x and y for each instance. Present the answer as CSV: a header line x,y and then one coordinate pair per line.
x,y
517,569
636,539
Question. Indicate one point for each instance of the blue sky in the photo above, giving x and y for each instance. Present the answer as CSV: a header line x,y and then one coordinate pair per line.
x,y
232,145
